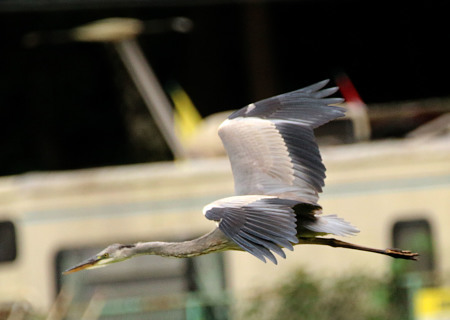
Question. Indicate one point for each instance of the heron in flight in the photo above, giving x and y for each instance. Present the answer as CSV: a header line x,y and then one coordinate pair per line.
x,y
278,175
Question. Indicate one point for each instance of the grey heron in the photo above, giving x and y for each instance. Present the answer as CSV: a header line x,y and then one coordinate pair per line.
x,y
278,174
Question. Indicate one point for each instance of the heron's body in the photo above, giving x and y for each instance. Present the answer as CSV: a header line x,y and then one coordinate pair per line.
x,y
278,174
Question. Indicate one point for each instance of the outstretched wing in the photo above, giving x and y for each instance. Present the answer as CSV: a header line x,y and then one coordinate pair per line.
x,y
258,224
271,143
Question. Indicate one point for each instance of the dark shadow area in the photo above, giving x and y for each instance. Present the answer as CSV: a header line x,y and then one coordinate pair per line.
x,y
68,105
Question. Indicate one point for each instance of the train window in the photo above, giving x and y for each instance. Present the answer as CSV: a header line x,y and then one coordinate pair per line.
x,y
414,235
8,248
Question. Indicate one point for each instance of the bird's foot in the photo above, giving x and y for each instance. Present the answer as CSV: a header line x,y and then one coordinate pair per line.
x,y
402,254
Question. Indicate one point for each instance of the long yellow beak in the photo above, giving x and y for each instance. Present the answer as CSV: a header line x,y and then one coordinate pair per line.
x,y
86,264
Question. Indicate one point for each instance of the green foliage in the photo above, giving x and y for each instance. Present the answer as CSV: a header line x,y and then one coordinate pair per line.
x,y
305,296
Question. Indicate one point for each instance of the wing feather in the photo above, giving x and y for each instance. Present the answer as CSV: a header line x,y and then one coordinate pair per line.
x,y
258,225
271,143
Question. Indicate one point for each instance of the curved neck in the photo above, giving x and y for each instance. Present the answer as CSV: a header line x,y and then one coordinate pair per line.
x,y
210,242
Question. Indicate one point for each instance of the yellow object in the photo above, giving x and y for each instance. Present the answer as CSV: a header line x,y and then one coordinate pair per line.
x,y
432,304
187,118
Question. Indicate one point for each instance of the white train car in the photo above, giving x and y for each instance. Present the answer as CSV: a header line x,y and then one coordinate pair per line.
x,y
51,220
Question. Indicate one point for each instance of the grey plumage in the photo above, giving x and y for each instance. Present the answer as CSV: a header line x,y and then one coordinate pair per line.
x,y
307,102
278,174
258,225
271,143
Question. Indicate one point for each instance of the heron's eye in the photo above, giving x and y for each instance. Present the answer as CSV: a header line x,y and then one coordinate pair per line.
x,y
104,256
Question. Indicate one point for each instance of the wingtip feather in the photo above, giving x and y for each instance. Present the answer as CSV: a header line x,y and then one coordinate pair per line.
x,y
315,86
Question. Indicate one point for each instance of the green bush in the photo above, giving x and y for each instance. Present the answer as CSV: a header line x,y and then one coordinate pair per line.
x,y
306,296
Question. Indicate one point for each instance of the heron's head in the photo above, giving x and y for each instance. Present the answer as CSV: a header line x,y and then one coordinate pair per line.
x,y
114,253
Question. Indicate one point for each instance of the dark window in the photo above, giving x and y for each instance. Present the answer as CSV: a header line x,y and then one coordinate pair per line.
x,y
8,249
414,235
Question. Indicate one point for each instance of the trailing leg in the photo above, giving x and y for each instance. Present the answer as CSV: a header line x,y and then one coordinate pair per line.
x,y
395,253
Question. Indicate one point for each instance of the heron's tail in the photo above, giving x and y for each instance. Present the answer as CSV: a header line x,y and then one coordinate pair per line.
x,y
331,224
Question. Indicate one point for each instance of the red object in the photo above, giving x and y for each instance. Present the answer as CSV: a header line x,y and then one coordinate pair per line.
x,y
348,90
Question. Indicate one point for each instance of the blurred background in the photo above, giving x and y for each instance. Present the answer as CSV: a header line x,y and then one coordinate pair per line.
x,y
109,112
